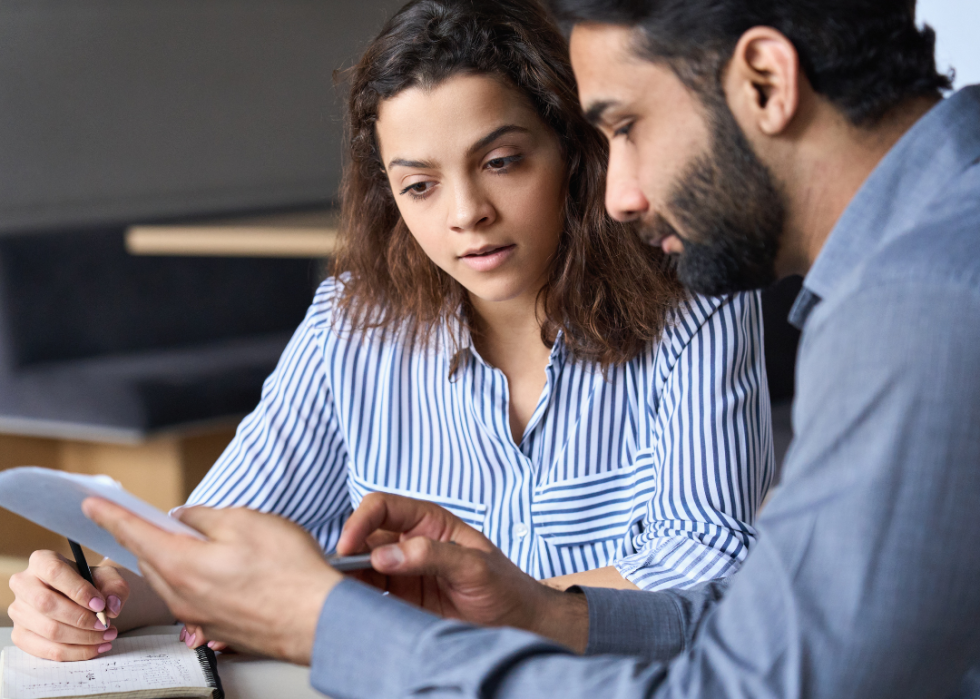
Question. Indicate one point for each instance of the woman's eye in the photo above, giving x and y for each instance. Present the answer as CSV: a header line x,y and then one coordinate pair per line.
x,y
417,190
502,163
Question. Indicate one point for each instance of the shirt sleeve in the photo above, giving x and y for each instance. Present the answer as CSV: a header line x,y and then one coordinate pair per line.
x,y
714,455
620,621
289,456
862,583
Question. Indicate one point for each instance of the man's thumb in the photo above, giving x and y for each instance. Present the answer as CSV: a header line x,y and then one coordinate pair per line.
x,y
420,556
203,519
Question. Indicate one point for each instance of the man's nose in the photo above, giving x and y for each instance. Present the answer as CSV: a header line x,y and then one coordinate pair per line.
x,y
471,208
625,200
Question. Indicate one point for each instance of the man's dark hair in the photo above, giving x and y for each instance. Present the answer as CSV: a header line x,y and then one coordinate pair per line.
x,y
865,56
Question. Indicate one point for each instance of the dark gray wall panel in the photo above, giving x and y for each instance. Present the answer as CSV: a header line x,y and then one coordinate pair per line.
x,y
120,110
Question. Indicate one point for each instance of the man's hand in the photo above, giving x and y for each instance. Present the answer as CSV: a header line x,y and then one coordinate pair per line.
x,y
425,555
258,582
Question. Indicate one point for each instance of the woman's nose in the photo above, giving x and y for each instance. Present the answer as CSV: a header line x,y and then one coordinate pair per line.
x,y
471,208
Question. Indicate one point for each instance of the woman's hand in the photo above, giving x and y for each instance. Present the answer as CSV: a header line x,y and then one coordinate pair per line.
x,y
427,556
193,636
54,608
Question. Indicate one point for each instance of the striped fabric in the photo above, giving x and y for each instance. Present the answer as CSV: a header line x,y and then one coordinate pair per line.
x,y
656,467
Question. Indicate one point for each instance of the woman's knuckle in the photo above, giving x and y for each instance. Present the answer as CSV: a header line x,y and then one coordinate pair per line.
x,y
45,602
83,620
49,568
14,611
49,629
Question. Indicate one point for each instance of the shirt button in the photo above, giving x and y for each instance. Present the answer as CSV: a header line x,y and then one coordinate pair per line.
x,y
520,530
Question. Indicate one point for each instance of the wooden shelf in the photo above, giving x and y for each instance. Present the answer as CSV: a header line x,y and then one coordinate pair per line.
x,y
309,234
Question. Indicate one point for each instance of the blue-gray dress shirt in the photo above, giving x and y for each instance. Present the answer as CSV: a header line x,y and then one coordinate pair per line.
x,y
865,579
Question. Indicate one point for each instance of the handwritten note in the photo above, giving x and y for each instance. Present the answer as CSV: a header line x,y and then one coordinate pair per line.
x,y
139,663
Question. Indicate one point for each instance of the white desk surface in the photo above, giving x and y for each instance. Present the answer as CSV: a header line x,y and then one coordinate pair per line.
x,y
243,676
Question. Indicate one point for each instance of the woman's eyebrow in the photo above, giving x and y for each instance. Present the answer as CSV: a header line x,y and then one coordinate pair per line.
x,y
420,164
479,145
495,134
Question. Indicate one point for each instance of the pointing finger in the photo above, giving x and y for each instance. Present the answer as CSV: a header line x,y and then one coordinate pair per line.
x,y
398,514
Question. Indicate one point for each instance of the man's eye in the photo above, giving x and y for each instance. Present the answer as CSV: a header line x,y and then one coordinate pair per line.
x,y
623,130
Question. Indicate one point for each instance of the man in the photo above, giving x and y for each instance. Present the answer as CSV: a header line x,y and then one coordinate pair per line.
x,y
752,140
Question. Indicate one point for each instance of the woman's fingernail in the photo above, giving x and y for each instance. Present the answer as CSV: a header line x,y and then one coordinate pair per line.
x,y
390,556
96,604
110,635
115,604
211,644
183,633
190,640
99,626
104,647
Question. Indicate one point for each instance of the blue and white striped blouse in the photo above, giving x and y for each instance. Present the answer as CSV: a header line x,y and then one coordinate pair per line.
x,y
656,467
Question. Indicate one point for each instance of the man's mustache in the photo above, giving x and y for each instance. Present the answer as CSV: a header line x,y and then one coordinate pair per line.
x,y
656,229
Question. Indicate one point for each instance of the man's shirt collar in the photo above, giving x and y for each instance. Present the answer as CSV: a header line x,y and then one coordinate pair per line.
x,y
940,146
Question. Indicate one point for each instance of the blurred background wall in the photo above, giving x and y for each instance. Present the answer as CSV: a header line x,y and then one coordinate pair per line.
x,y
116,110
957,25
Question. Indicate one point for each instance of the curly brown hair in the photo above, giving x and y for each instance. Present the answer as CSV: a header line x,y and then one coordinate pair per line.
x,y
608,292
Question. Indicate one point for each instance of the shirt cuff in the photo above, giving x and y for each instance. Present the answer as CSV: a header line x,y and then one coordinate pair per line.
x,y
652,625
357,626
629,622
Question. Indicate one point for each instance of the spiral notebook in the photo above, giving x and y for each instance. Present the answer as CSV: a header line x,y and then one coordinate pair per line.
x,y
138,667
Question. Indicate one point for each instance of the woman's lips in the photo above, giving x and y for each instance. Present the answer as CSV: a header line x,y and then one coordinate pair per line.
x,y
489,260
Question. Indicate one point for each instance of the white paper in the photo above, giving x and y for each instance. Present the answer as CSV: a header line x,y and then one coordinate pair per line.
x,y
53,499
139,662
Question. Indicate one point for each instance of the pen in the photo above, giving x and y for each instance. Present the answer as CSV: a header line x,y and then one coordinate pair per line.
x,y
346,563
86,573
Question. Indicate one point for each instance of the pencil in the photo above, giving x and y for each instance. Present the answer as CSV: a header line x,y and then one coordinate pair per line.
x,y
86,573
345,563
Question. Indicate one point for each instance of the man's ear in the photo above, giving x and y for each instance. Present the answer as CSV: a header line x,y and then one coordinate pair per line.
x,y
762,81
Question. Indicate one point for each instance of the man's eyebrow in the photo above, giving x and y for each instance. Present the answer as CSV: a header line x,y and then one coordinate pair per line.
x,y
495,134
420,164
595,111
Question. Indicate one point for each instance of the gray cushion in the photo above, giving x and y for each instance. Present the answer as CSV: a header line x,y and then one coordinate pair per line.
x,y
96,342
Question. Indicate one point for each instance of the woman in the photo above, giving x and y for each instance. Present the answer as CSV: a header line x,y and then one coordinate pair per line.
x,y
493,342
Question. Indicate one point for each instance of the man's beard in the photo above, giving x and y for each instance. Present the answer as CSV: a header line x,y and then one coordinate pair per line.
x,y
731,213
